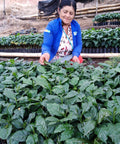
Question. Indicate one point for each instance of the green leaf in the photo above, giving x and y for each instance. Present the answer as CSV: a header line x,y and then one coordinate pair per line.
x,y
7,82
62,127
54,97
64,80
84,84
74,81
12,61
5,132
105,65
18,136
23,99
109,93
59,89
41,81
10,109
117,81
86,106
116,91
71,101
71,94
1,67
32,139
13,69
89,126
41,69
52,120
27,81
41,125
30,127
91,89
70,69
18,113
67,131
92,100
70,117
17,123
55,109
98,92
102,133
66,134
114,132
9,93
118,99
117,69
31,116
103,113
49,141
109,130
62,71
76,141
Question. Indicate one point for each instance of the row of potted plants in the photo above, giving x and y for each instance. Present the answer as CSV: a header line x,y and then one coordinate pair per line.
x,y
21,40
101,40
107,19
92,39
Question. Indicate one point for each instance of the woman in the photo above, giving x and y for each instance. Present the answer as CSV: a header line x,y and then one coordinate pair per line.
x,y
62,36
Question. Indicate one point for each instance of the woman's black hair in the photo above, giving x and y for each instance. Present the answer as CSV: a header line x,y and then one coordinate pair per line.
x,y
67,3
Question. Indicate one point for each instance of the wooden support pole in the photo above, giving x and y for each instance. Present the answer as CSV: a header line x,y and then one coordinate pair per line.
x,y
91,10
84,55
99,10
96,6
99,7
4,12
99,55
5,54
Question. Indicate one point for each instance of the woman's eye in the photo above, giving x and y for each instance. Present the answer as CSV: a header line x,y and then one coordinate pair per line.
x,y
65,11
71,13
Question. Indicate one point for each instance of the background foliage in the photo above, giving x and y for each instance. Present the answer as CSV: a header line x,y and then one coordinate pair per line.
x,y
91,38
106,17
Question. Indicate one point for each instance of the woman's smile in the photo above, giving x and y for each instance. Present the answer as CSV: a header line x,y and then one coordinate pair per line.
x,y
66,14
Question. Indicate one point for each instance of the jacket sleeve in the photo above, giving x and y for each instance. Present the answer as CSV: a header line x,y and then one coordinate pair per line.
x,y
47,40
78,40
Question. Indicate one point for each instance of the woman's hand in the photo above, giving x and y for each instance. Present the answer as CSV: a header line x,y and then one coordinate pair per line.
x,y
75,59
43,58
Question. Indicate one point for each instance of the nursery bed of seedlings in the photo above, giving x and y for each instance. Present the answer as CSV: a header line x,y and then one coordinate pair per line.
x,y
93,41
59,103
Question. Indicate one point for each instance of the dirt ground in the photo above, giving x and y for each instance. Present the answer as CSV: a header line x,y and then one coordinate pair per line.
x,y
9,25
11,22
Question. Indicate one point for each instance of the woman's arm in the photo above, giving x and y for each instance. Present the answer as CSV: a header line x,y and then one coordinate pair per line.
x,y
47,40
43,58
78,42
46,46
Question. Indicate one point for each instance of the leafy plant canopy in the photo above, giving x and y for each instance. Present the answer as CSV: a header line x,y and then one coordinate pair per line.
x,y
59,103
106,17
91,38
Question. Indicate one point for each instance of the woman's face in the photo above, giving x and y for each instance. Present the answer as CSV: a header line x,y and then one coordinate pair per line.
x,y
66,14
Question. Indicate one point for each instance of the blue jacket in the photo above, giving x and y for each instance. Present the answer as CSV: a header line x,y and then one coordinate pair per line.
x,y
52,37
